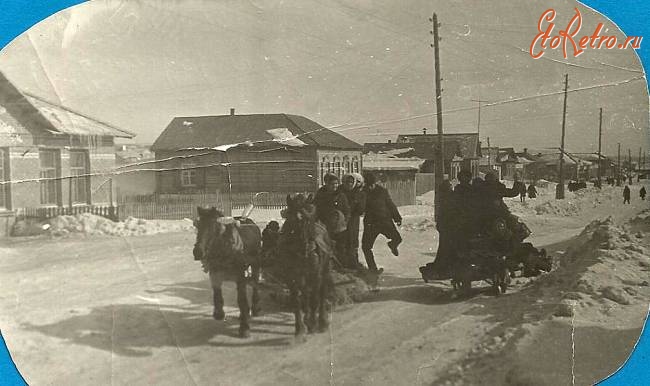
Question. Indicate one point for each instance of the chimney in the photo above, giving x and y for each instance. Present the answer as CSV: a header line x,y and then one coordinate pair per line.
x,y
232,111
424,131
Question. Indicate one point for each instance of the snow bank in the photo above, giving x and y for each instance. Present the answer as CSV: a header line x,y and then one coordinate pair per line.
x,y
90,224
605,264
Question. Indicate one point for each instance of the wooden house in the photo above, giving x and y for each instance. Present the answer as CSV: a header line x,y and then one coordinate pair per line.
x,y
250,153
461,151
489,161
397,175
50,156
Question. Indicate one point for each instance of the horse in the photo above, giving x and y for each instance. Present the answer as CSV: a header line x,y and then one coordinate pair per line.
x,y
229,249
305,252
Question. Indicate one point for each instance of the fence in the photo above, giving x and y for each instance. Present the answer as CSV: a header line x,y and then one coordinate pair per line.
x,y
169,206
401,191
107,211
424,182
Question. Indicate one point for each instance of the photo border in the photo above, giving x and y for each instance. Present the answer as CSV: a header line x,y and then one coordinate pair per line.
x,y
17,16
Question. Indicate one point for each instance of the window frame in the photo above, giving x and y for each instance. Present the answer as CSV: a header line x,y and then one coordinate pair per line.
x,y
80,174
191,173
53,182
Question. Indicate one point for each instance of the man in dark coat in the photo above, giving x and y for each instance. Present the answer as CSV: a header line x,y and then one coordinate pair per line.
x,y
381,212
352,187
532,191
444,216
642,193
626,195
491,195
333,210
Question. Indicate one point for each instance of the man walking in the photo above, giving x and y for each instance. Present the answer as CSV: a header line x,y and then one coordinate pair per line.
x,y
642,193
380,218
626,195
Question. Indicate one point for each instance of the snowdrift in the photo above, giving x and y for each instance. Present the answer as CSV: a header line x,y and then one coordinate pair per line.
x,y
606,263
90,224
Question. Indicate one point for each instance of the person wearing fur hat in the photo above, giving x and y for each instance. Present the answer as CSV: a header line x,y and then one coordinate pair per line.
x,y
352,188
333,210
380,218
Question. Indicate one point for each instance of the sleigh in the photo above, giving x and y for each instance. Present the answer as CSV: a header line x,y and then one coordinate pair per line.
x,y
496,255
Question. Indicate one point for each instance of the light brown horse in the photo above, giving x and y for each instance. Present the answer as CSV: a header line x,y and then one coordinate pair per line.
x,y
229,249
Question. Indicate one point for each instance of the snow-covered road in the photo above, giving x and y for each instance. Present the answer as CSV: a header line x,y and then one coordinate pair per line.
x,y
136,310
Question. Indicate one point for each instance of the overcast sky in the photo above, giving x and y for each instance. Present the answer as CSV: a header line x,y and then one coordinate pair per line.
x,y
364,67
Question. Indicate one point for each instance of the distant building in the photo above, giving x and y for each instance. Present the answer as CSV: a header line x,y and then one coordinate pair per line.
x,y
250,153
461,151
135,173
489,161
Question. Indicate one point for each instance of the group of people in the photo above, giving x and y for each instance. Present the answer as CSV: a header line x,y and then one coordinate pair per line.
x,y
340,205
626,194
465,211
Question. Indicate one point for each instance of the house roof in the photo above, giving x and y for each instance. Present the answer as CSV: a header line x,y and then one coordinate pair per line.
x,y
23,113
225,130
66,121
396,159
464,144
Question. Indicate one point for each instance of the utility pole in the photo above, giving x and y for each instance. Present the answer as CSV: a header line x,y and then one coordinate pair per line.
x,y
638,162
478,125
618,166
600,146
489,155
440,162
629,164
559,194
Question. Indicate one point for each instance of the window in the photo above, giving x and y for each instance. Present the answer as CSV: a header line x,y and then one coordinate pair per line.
x,y
337,166
188,174
50,166
355,164
4,176
324,168
346,164
79,186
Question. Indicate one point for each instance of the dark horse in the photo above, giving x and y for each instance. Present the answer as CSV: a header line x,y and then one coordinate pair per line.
x,y
229,249
305,251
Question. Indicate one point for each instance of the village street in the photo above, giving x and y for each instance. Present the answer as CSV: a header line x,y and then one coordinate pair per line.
x,y
135,310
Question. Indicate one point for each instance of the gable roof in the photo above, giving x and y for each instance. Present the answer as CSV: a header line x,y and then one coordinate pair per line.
x,y
224,130
22,113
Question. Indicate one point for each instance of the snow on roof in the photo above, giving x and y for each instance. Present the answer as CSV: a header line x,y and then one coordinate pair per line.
x,y
68,122
285,136
385,161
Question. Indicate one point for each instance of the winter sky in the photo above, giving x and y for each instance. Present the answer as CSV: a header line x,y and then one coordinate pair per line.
x,y
363,67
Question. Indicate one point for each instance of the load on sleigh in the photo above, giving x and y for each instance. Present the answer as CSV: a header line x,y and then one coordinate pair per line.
x,y
479,238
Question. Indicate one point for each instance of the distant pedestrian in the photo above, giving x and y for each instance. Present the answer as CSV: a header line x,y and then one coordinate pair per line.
x,y
522,192
642,193
626,195
380,218
532,191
